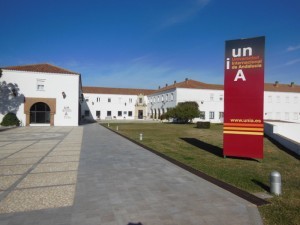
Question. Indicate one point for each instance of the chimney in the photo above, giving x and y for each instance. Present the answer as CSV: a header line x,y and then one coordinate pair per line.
x,y
158,87
186,80
292,84
166,85
174,81
276,83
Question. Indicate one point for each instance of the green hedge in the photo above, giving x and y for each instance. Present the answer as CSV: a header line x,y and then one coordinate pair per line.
x,y
10,119
203,125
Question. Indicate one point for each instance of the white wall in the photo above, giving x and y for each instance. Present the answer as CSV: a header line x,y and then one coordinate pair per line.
x,y
160,102
54,85
209,101
277,105
99,102
282,106
201,96
286,134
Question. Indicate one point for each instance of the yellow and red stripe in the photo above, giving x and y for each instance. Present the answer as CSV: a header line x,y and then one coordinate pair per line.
x,y
244,128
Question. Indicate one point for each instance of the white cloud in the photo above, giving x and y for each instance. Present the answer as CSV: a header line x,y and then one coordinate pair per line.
x,y
185,14
292,62
138,75
293,48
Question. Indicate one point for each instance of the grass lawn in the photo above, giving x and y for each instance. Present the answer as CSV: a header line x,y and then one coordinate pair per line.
x,y
202,150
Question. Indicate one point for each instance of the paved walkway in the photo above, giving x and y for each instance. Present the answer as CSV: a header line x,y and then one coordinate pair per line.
x,y
117,183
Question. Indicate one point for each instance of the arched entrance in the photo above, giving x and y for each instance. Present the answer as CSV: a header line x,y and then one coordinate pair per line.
x,y
40,113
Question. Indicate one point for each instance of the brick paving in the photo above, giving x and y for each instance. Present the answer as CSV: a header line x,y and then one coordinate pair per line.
x,y
89,175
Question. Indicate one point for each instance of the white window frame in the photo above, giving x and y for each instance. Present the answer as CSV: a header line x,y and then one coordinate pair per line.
x,y
40,84
211,115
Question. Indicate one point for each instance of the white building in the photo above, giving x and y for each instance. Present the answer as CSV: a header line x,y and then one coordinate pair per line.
x,y
281,101
44,94
102,103
40,94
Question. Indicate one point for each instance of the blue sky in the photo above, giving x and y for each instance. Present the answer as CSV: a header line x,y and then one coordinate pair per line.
x,y
147,43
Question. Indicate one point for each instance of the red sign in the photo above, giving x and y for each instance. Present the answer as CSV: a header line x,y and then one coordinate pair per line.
x,y
244,95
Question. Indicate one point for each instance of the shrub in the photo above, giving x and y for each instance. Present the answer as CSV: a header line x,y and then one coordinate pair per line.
x,y
203,125
10,119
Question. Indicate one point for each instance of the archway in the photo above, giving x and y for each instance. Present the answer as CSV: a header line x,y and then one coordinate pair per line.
x,y
40,113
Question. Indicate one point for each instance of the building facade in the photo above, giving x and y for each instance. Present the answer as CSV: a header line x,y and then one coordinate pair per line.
x,y
40,94
281,101
101,103
210,99
47,95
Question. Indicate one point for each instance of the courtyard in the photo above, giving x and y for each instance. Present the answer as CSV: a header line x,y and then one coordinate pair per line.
x,y
89,175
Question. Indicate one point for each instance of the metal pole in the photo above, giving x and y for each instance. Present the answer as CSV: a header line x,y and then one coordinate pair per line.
x,y
141,136
275,183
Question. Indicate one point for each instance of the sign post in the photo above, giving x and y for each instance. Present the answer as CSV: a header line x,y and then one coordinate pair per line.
x,y
244,95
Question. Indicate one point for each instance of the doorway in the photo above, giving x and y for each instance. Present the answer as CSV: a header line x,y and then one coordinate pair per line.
x,y
140,114
40,113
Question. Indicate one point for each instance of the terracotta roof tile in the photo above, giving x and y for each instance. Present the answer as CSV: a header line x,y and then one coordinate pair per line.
x,y
200,85
43,68
121,91
282,87
191,84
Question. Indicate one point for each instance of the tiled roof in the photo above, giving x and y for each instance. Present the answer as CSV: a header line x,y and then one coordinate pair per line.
x,y
200,85
121,91
282,87
43,68
191,84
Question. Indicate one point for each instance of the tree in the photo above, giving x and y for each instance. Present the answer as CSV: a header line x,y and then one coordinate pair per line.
x,y
10,98
184,112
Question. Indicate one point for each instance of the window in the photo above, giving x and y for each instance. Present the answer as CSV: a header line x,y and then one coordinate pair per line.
x,y
125,112
98,99
221,97
295,116
87,113
130,100
167,98
140,100
211,97
129,113
287,99
202,115
278,99
98,113
172,96
109,100
40,86
108,113
40,113
211,115
86,99
270,115
119,113
221,115
269,98
278,115
287,116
